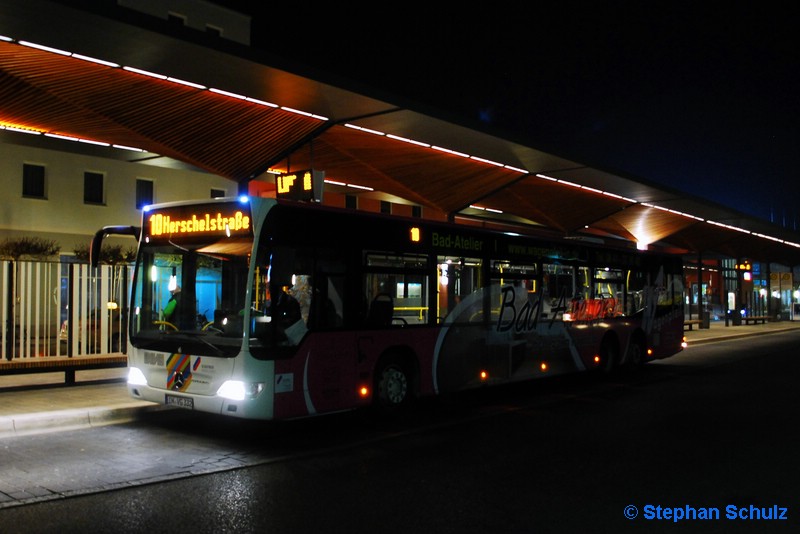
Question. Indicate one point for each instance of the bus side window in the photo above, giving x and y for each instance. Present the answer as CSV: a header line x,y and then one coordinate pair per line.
x,y
404,278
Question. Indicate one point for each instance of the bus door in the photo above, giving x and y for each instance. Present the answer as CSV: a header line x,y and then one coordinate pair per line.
x,y
565,290
459,278
558,290
464,315
395,296
298,321
512,341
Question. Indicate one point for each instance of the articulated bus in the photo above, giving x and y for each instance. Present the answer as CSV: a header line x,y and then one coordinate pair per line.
x,y
289,309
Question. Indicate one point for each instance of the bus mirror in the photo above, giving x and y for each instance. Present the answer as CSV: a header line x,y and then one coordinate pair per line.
x,y
97,240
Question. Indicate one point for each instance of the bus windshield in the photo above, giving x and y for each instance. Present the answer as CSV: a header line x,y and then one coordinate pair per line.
x,y
191,278
192,297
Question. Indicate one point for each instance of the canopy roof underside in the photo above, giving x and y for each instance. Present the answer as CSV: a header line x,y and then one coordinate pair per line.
x,y
238,117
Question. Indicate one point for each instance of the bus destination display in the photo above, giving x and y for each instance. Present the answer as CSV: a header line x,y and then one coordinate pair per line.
x,y
204,220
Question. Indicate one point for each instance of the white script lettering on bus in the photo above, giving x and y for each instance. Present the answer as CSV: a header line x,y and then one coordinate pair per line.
x,y
527,317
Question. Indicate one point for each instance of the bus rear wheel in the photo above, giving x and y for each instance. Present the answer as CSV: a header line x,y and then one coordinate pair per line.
x,y
636,356
393,384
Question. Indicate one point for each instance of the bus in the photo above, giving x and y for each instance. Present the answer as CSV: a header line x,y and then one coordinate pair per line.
x,y
290,309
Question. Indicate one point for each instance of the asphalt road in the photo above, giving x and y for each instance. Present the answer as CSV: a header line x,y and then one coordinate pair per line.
x,y
712,429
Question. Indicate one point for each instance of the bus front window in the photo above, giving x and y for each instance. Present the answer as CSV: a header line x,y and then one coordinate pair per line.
x,y
187,296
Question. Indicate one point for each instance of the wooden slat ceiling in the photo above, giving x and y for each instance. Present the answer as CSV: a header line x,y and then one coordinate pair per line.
x,y
240,139
225,136
423,176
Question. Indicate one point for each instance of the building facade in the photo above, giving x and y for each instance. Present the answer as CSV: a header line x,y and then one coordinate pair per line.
x,y
55,304
66,197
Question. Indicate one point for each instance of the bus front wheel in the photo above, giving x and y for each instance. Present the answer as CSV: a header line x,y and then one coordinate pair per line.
x,y
393,384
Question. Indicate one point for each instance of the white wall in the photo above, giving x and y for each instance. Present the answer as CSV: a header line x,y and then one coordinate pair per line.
x,y
63,216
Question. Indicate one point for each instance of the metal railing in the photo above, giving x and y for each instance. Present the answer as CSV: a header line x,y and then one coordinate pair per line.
x,y
62,309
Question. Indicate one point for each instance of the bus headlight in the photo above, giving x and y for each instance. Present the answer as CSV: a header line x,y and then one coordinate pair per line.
x,y
238,390
136,377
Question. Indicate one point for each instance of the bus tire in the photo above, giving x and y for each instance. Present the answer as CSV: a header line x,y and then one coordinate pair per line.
x,y
635,358
393,383
609,356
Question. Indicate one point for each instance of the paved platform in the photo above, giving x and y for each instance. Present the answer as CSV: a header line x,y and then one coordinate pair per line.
x,y
39,403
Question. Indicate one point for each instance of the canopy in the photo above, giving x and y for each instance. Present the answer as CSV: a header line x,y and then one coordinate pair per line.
x,y
232,111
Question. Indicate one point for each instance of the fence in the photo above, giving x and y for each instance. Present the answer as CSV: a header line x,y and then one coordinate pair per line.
x,y
62,309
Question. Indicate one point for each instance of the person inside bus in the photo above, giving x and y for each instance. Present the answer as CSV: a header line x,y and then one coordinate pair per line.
x,y
172,305
284,308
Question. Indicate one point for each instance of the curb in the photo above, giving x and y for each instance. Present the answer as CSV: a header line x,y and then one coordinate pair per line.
x,y
728,337
57,421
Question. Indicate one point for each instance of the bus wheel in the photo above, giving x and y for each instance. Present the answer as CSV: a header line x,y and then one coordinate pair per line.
x,y
635,357
393,384
608,357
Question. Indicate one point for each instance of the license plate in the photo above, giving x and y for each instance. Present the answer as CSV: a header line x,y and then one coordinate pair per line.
x,y
180,402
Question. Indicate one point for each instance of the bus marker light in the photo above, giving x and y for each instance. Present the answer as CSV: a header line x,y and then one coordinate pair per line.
x,y
649,352
596,358
484,376
684,343
543,367
363,392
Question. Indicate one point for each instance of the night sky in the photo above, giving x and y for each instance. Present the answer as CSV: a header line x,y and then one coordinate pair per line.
x,y
700,99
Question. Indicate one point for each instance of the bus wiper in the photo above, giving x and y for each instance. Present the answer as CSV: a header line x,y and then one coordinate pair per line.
x,y
200,336
170,337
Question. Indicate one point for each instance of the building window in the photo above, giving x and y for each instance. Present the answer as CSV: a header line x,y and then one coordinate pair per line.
x,y
350,202
217,193
144,193
33,185
386,207
93,191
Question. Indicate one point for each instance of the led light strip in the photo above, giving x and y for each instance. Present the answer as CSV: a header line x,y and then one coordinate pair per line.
x,y
434,147
345,184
